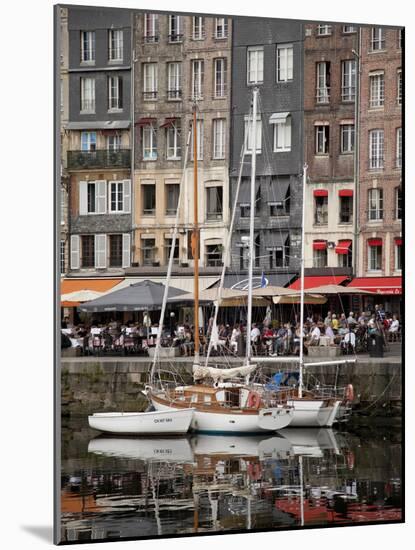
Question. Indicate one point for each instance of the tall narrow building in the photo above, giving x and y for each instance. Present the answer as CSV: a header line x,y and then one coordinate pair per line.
x,y
267,54
99,144
180,63
64,140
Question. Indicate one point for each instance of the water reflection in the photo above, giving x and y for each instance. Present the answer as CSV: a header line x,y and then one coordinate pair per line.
x,y
117,487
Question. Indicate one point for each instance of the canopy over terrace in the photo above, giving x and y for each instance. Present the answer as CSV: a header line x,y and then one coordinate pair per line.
x,y
71,286
143,296
337,289
229,298
378,285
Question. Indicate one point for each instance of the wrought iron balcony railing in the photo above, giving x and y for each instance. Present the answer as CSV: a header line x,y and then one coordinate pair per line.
x,y
102,158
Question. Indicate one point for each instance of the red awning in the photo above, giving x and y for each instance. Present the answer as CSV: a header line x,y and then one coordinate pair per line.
x,y
312,282
145,121
374,242
380,285
346,193
321,193
319,245
343,247
398,241
168,122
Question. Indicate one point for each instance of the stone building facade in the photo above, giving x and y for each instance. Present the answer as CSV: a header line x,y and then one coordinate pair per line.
x,y
330,95
380,174
99,143
180,62
268,54
64,176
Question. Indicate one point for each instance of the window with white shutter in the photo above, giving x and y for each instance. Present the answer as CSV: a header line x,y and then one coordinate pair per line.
x,y
74,251
83,198
100,251
101,197
126,249
127,196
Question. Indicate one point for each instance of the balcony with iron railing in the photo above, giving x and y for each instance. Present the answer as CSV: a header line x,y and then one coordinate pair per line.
x,y
151,39
175,38
174,94
102,158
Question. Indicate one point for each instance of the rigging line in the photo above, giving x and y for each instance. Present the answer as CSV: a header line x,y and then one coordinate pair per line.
x,y
228,242
170,265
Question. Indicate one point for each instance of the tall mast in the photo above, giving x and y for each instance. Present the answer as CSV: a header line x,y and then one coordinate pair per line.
x,y
300,379
195,239
251,227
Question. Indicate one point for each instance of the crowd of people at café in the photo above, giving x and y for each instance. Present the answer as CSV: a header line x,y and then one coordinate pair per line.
x,y
270,337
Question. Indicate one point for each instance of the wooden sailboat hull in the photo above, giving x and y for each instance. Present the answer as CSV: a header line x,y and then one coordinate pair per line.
x,y
160,422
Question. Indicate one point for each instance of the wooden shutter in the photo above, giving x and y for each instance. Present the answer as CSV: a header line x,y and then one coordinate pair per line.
x,y
126,249
101,196
83,198
127,196
100,251
74,251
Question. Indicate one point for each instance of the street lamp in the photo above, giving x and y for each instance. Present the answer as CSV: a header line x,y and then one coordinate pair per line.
x,y
172,316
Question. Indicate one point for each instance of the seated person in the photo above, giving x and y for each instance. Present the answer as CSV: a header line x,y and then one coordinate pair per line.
x,y
314,336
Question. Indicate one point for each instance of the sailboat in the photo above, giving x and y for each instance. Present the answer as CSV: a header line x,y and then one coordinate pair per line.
x,y
225,407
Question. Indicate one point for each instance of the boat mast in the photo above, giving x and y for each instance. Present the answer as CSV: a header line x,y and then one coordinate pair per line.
x,y
300,378
251,227
195,240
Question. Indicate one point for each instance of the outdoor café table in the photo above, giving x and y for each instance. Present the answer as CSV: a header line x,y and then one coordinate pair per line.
x,y
324,340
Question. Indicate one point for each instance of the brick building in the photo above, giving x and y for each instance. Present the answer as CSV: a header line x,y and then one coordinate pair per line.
x,y
330,92
179,61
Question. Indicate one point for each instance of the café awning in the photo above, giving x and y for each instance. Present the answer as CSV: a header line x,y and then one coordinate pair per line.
x,y
274,240
275,191
378,285
312,282
145,121
343,247
71,286
169,121
319,245
278,118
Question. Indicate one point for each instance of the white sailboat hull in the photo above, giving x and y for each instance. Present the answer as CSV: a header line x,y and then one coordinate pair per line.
x,y
313,413
167,449
159,422
267,420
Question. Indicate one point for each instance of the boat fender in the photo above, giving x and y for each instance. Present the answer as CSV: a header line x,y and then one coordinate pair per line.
x,y
254,400
349,392
254,471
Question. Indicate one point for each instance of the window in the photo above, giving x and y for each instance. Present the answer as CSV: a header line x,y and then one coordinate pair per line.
x,y
376,151
148,251
400,38
320,257
91,197
248,130
214,201
257,250
243,257
398,203
197,78
348,80
168,241
345,260
114,93
378,39
398,255
213,255
115,250
115,45
284,62
199,136
87,46
198,32
375,257
173,141
322,139
88,251
348,29
150,28
149,199
219,138
282,135
63,205
62,257
221,27
62,96
323,82
220,70
346,210
149,140
174,87
279,257
116,196
150,81
175,28
277,209
347,138
172,198
321,211
114,142
377,89
375,202
398,147
399,97
88,95
323,30
255,65
88,141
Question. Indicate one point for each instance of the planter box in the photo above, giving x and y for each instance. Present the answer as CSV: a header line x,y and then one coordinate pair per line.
x,y
324,351
165,352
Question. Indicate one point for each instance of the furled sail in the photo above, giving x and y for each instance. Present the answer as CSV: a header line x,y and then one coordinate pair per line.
x,y
200,372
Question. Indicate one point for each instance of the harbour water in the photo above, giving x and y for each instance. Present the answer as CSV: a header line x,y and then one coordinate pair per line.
x,y
123,487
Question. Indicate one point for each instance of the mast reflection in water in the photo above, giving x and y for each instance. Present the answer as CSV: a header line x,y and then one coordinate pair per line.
x,y
115,487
